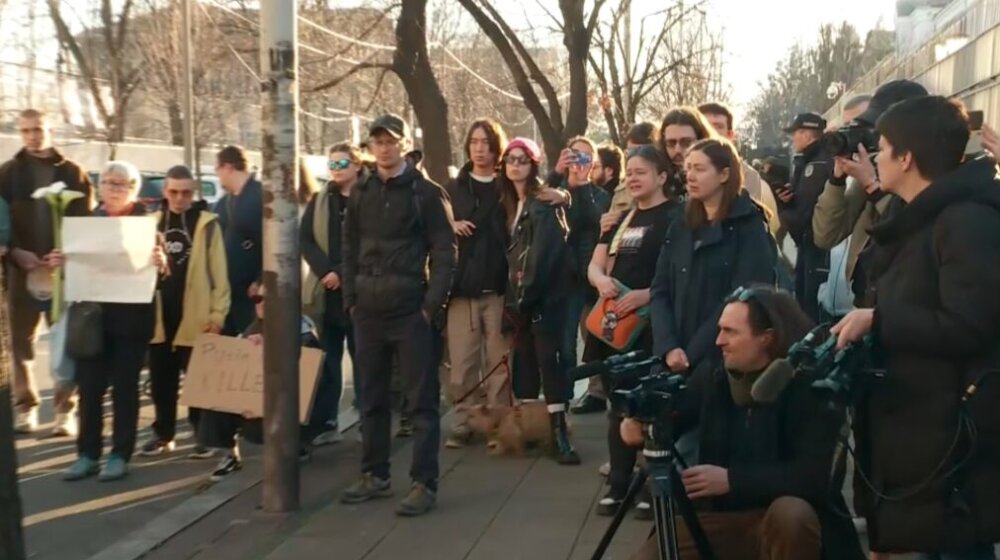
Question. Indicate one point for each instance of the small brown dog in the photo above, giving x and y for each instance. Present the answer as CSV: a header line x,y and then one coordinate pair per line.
x,y
510,429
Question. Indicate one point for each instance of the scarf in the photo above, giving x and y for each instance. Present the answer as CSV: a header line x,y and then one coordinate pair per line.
x,y
313,291
740,385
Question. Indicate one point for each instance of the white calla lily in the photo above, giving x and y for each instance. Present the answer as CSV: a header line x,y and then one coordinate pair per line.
x,y
51,190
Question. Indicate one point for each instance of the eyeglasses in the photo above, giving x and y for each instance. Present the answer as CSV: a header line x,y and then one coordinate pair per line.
x,y
684,143
517,160
340,164
183,193
117,185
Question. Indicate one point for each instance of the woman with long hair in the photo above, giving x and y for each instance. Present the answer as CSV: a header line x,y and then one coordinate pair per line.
x,y
722,242
622,270
322,298
538,260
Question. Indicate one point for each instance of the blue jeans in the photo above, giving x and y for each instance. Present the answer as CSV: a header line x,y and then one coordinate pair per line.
x,y
326,407
575,303
984,552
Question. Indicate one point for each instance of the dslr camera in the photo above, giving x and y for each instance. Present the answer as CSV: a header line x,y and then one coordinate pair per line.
x,y
640,388
844,141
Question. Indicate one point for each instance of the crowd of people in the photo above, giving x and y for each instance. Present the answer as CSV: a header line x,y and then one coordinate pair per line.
x,y
489,283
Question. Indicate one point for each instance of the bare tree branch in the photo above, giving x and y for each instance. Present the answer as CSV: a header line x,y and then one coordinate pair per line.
x,y
354,70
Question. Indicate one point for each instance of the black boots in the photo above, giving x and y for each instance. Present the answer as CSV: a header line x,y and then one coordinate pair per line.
x,y
564,452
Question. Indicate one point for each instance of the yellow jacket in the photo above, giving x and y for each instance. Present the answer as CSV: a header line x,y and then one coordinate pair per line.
x,y
206,290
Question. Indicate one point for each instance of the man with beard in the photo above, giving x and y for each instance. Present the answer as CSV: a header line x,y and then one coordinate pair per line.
x,y
681,128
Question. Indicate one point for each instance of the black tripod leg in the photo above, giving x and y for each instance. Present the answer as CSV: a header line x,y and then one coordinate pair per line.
x,y
687,511
634,487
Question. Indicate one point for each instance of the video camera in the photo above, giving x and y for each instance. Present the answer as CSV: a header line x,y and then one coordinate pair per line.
x,y
843,374
640,388
844,141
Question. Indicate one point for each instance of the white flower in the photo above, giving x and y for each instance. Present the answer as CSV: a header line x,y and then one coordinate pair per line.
x,y
53,189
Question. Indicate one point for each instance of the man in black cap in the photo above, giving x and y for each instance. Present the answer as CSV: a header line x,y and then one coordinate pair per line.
x,y
852,200
796,202
399,260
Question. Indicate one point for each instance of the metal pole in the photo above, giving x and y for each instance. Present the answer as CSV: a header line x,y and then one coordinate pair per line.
x,y
282,305
627,20
188,84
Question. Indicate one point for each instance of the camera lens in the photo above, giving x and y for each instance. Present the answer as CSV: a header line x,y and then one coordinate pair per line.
x,y
836,143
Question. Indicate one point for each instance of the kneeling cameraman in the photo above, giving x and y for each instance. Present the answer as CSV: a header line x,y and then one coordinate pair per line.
x,y
929,435
763,489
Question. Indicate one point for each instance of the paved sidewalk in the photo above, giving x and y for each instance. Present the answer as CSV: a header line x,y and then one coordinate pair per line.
x,y
489,508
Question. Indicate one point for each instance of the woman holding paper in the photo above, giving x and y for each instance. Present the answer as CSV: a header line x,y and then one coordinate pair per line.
x,y
126,329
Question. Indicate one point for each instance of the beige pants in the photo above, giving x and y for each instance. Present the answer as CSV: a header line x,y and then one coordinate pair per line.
x,y
476,346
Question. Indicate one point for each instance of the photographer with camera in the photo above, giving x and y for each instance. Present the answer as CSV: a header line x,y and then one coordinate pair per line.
x,y
852,200
929,435
762,488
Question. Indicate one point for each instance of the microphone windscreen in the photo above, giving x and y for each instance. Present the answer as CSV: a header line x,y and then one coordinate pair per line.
x,y
772,381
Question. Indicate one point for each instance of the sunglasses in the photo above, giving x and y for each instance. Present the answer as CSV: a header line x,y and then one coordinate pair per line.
x,y
684,143
751,297
517,160
339,164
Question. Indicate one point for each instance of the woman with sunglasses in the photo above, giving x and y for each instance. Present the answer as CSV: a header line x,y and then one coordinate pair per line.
x,y
126,329
721,243
622,270
322,299
538,260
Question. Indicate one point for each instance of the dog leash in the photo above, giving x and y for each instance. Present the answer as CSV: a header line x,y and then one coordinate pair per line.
x,y
505,363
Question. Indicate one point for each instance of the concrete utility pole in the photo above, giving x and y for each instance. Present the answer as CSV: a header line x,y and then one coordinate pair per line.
x,y
11,535
282,273
188,84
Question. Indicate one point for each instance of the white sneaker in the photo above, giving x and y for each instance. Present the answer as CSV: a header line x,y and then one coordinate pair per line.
x,y
329,437
27,421
605,469
65,425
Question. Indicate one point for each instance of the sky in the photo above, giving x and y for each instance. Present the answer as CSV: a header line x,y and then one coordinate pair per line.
x,y
758,33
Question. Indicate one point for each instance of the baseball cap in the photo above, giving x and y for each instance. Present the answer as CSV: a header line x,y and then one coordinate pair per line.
x,y
812,121
393,124
889,94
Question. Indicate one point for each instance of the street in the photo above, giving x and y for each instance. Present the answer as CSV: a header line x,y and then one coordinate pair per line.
x,y
74,521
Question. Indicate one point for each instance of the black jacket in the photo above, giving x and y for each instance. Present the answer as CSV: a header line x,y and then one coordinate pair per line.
x,y
583,215
737,251
538,259
399,246
322,263
31,221
812,169
787,450
482,266
937,320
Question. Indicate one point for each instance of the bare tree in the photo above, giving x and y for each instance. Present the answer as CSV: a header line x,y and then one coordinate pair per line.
x,y
119,73
411,63
577,30
643,74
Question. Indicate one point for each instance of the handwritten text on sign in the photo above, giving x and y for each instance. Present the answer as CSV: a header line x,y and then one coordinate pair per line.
x,y
227,374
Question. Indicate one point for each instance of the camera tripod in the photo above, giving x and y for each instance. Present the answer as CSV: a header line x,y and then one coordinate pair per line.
x,y
669,498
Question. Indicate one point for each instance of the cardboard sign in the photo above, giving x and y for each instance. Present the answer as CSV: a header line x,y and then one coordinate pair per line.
x,y
227,374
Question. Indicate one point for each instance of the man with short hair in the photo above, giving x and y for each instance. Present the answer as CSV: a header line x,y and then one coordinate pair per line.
x,y
762,482
37,165
721,118
240,214
796,203
852,201
609,168
399,263
929,430
192,298
640,134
